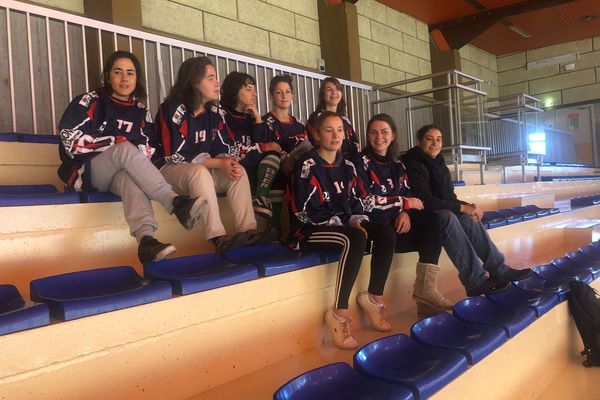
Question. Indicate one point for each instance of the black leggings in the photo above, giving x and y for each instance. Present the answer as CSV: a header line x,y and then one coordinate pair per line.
x,y
424,236
352,243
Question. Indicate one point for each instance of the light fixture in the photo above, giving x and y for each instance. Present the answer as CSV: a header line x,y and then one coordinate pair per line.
x,y
562,59
588,18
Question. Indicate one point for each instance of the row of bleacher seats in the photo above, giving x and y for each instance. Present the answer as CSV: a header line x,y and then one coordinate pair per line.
x,y
568,178
507,216
78,294
28,138
584,201
440,348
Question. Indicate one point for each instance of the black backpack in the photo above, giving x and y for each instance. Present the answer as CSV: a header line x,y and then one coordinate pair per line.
x,y
585,308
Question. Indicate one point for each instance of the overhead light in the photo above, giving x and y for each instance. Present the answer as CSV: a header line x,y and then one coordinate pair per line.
x,y
588,18
563,59
520,31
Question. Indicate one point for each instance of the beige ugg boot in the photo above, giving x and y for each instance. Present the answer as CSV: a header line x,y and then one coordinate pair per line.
x,y
429,300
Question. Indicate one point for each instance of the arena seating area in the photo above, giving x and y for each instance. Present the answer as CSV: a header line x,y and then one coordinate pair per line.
x,y
260,284
81,318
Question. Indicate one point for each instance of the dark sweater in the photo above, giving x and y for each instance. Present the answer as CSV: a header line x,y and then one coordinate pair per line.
x,y
429,180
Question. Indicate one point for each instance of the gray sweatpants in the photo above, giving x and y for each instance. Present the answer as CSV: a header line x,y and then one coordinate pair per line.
x,y
124,170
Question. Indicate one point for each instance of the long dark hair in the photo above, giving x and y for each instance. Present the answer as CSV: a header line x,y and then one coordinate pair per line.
x,y
190,73
139,93
230,87
341,107
394,148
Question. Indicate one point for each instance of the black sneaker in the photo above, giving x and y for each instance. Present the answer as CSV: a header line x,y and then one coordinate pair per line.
x,y
488,286
228,242
151,250
188,210
262,206
513,275
262,237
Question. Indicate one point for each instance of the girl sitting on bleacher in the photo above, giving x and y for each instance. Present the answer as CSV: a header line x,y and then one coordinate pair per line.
x,y
254,145
327,213
464,238
105,146
390,202
331,98
196,156
291,136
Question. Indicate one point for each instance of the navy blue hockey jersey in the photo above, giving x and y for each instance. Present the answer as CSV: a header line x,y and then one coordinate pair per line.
x,y
288,134
182,137
350,146
386,186
320,193
92,123
246,136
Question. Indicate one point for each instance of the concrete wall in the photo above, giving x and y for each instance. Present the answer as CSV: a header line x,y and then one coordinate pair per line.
x,y
393,46
283,30
67,5
552,84
482,65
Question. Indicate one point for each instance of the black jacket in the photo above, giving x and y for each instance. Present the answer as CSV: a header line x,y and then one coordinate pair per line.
x,y
429,180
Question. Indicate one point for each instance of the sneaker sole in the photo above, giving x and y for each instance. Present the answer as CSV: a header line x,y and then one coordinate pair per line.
x,y
197,208
164,253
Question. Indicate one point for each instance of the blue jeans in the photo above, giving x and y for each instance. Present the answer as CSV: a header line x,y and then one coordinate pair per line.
x,y
470,248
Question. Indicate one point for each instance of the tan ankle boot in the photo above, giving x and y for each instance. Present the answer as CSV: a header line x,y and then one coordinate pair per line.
x,y
426,294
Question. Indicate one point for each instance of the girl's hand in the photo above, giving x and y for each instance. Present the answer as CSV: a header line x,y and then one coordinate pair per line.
x,y
414,202
402,222
232,168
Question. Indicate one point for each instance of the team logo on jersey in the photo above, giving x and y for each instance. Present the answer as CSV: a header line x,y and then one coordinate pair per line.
x,y
306,166
175,158
178,116
303,217
87,98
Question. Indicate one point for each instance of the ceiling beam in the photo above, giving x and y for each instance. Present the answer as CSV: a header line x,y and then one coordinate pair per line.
x,y
460,31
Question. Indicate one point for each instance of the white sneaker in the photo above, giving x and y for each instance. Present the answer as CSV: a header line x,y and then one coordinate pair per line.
x,y
339,329
374,311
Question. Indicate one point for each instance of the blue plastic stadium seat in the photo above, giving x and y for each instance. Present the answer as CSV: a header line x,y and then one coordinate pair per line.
x,y
27,189
79,294
551,273
474,341
198,273
458,183
525,213
511,217
480,310
15,200
339,382
586,258
536,283
9,137
399,359
491,219
542,212
33,138
568,264
272,259
540,302
99,197
15,315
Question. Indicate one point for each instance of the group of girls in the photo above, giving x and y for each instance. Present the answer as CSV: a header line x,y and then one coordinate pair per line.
x,y
339,197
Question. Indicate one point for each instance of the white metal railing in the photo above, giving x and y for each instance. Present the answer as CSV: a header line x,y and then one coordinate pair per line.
x,y
53,55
